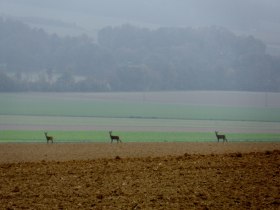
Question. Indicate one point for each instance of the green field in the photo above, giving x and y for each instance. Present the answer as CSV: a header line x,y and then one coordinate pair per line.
x,y
88,118
130,136
56,105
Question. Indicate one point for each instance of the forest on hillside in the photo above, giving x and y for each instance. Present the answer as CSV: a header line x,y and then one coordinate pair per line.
x,y
129,58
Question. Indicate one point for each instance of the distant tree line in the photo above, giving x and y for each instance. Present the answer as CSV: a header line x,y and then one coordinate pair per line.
x,y
128,58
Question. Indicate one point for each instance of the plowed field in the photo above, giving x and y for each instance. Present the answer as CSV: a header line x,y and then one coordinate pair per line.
x,y
140,176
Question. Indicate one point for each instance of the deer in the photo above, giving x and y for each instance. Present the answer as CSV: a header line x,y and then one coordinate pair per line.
x,y
219,136
117,138
49,138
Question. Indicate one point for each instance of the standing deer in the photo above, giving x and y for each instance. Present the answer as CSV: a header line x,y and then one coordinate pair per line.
x,y
219,136
49,138
117,138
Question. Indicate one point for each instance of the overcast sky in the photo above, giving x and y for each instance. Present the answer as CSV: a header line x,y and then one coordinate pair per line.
x,y
250,16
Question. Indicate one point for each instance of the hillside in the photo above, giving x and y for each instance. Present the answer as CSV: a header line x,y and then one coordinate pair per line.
x,y
129,58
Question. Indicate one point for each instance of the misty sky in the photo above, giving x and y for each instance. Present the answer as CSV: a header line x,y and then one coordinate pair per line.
x,y
257,17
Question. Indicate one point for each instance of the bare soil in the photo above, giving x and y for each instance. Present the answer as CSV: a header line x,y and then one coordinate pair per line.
x,y
140,176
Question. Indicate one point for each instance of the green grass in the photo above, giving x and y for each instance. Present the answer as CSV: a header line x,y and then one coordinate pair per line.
x,y
46,105
133,124
103,136
48,109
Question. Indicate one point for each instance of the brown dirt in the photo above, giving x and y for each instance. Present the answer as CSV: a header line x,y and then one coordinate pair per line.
x,y
140,176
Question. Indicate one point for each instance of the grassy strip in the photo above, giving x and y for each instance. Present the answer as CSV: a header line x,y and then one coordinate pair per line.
x,y
132,124
103,136
45,106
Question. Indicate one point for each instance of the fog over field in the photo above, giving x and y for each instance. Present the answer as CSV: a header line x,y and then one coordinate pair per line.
x,y
124,45
256,17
